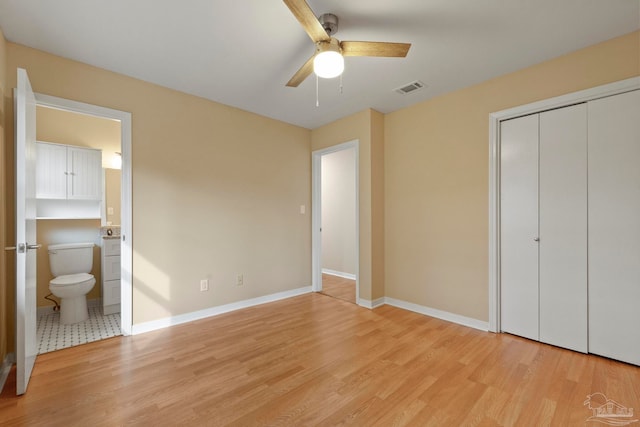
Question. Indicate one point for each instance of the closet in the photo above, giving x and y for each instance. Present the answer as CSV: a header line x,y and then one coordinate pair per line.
x,y
570,226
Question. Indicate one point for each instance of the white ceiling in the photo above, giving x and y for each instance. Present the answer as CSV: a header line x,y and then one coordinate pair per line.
x,y
242,52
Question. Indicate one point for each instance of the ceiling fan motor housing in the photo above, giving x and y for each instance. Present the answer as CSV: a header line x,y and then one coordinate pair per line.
x,y
329,22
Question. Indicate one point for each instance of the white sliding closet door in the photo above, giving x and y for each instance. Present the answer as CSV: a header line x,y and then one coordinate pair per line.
x,y
519,226
563,227
614,227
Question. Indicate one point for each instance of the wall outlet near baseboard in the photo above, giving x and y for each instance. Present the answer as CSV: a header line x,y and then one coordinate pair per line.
x,y
204,285
239,280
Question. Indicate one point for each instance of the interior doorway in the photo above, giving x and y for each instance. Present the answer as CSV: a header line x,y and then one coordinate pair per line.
x,y
335,221
78,222
123,158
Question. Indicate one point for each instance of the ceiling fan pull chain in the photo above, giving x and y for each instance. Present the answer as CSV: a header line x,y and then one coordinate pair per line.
x,y
317,96
340,84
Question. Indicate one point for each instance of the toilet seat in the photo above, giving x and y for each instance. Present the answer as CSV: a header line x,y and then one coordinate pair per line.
x,y
72,279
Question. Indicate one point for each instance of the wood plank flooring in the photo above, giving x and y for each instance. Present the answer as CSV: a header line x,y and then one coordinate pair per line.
x,y
339,287
316,360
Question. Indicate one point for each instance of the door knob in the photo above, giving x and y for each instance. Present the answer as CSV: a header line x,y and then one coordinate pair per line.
x,y
536,239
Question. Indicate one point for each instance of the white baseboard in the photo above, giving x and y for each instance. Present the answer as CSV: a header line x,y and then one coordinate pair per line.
x,y
439,314
339,274
371,304
214,311
48,309
8,361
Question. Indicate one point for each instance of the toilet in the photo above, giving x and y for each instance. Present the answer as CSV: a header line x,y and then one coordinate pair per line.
x,y
71,264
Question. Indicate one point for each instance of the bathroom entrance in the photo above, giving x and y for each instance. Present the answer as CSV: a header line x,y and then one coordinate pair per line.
x,y
86,212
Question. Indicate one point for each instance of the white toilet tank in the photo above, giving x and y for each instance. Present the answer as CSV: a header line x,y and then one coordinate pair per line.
x,y
71,258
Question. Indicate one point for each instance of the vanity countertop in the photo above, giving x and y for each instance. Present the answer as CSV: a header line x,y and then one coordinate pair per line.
x,y
110,237
110,232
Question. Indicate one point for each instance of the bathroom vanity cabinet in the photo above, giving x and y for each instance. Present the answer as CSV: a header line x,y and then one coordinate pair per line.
x,y
110,274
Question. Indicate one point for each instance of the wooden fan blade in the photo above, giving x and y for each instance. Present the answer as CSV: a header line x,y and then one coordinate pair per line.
x,y
385,49
308,20
302,73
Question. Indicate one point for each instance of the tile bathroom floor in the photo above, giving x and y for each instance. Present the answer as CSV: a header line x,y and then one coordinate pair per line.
x,y
51,335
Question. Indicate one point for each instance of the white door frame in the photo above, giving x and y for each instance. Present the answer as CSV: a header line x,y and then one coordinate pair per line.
x,y
494,172
316,213
126,304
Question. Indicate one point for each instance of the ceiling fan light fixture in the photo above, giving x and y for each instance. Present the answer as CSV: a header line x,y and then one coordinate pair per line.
x,y
328,62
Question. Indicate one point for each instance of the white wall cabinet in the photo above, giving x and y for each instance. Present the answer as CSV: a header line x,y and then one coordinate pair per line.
x,y
51,171
110,275
69,181
68,172
570,226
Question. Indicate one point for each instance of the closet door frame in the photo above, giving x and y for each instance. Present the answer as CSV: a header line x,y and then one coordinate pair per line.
x,y
494,172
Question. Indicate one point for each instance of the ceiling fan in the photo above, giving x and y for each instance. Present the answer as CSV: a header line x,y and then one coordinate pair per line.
x,y
328,59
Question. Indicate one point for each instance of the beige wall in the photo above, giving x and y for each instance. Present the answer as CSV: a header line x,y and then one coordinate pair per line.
x,y
216,190
436,175
339,211
112,195
65,127
55,231
6,312
377,205
367,127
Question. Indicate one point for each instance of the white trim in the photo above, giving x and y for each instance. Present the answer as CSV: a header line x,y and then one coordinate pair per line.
x,y
316,213
342,274
126,303
371,304
214,311
439,314
494,172
7,363
316,222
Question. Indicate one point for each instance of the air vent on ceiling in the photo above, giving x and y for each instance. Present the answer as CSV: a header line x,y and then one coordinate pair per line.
x,y
410,88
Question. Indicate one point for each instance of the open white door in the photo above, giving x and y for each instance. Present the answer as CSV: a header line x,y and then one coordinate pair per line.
x,y
25,128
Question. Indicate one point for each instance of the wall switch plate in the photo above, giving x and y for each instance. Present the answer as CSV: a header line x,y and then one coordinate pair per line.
x,y
239,280
109,210
204,285
303,209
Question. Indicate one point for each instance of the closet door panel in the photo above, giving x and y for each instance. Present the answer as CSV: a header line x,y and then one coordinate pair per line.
x,y
614,227
563,227
519,226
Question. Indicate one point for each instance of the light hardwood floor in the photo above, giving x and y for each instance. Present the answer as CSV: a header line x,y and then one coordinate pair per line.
x,y
339,287
316,360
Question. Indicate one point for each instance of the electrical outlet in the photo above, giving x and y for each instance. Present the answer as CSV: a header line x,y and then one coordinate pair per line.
x,y
204,285
239,280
